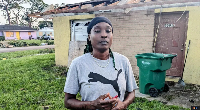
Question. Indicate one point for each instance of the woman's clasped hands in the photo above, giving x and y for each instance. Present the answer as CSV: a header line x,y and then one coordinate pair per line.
x,y
113,103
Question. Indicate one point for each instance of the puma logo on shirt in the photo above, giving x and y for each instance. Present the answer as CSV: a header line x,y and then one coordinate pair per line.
x,y
97,77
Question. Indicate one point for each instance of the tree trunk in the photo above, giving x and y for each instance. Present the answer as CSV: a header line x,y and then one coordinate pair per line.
x,y
30,22
17,20
8,14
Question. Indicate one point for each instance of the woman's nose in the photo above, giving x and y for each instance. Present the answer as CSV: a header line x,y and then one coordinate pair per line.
x,y
103,34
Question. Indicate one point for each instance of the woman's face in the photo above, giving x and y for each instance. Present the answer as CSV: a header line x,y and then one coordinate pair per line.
x,y
101,36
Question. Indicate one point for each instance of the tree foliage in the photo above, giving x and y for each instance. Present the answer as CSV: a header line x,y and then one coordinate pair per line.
x,y
15,13
43,24
9,5
36,6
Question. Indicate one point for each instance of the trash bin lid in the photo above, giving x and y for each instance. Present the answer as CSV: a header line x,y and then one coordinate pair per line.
x,y
155,56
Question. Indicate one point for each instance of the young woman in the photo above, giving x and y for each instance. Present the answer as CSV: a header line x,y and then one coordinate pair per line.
x,y
103,78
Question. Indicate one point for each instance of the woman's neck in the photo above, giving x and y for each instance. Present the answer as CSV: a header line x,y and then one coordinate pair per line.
x,y
101,56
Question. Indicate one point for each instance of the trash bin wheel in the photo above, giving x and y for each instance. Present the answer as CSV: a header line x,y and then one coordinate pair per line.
x,y
166,88
153,92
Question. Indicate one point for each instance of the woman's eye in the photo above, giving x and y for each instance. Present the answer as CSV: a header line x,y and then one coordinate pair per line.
x,y
97,31
108,31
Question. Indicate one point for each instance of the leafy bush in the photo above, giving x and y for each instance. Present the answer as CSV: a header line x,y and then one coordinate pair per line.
x,y
33,44
18,43
24,43
2,38
49,42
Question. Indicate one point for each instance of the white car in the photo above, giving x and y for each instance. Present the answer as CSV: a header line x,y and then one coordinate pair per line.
x,y
48,37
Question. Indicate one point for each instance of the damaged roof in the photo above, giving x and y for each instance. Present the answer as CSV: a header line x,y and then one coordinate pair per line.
x,y
91,6
14,28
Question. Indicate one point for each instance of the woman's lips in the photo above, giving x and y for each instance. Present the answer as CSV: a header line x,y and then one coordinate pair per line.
x,y
104,42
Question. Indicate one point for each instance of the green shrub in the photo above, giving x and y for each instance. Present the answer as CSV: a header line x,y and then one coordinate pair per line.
x,y
33,44
19,43
2,38
49,42
23,43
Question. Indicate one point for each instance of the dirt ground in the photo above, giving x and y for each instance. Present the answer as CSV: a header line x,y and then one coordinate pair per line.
x,y
182,96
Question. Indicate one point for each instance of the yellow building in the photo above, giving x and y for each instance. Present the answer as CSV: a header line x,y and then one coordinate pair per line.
x,y
62,37
161,26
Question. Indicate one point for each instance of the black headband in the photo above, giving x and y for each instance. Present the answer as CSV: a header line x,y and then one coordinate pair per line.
x,y
97,20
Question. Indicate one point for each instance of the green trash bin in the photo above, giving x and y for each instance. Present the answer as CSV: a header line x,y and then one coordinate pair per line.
x,y
152,72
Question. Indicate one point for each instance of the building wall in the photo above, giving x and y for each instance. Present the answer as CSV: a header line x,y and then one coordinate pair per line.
x,y
41,33
62,37
24,35
133,34
192,67
34,34
10,38
1,33
76,48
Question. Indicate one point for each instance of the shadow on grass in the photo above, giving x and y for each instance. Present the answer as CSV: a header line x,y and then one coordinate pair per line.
x,y
58,70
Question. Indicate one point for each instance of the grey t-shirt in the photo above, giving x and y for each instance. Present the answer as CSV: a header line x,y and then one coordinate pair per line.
x,y
85,75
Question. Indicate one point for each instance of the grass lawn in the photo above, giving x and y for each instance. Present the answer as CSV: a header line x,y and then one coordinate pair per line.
x,y
32,82
144,104
28,83
18,54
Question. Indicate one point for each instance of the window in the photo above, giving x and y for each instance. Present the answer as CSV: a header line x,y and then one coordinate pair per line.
x,y
40,33
9,34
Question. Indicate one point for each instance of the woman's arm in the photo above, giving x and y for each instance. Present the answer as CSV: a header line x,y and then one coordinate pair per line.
x,y
129,97
72,103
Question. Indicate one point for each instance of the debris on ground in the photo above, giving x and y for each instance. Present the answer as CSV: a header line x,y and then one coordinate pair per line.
x,y
183,96
5,44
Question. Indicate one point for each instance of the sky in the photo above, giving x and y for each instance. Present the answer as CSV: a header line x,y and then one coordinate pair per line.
x,y
63,1
49,2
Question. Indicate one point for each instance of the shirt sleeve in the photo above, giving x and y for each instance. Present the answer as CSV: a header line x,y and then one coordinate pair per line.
x,y
72,82
130,79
